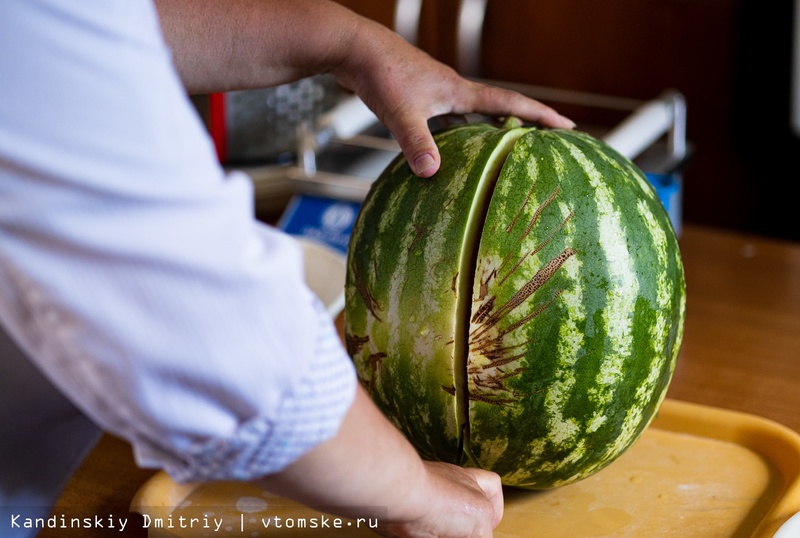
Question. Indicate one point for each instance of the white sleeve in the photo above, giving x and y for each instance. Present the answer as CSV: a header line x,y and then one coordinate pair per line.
x,y
132,270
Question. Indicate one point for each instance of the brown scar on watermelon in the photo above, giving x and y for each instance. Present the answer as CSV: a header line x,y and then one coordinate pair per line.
x,y
363,291
489,379
355,343
373,364
481,397
519,212
485,309
538,247
419,232
529,288
537,213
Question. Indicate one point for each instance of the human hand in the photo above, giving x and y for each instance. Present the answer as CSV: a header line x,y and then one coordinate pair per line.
x,y
459,502
241,44
405,87
423,498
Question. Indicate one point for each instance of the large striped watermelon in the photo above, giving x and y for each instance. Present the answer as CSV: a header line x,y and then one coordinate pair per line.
x,y
522,310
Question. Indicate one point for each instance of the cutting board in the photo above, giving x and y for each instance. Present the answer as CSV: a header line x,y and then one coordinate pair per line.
x,y
697,471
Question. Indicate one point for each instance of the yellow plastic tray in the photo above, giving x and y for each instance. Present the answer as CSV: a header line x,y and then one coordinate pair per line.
x,y
696,472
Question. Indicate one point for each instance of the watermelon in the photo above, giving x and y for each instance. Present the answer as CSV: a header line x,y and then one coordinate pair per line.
x,y
522,310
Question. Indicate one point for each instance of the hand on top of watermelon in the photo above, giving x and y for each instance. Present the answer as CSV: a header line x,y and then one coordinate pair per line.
x,y
405,87
273,42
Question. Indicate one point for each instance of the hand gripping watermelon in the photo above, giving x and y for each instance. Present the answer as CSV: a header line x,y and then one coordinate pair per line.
x,y
522,310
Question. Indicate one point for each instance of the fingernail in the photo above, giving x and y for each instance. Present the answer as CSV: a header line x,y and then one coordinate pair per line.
x,y
423,162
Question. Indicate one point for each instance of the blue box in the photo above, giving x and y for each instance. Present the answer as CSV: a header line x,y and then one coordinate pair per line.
x,y
668,188
324,220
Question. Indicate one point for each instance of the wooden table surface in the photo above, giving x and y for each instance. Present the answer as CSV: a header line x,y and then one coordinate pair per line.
x,y
741,346
741,351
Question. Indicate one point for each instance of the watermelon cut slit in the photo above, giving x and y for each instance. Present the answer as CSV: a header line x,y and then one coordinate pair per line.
x,y
465,281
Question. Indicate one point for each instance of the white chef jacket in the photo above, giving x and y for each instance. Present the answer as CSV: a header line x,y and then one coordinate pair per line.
x,y
137,291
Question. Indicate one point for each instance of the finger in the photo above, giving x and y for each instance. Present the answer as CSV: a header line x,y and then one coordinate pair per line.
x,y
418,146
493,101
492,487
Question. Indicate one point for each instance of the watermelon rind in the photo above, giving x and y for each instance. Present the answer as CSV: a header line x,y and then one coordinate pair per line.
x,y
522,310
577,316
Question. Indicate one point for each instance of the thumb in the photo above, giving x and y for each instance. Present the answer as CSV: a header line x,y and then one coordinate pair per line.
x,y
424,162
416,142
492,487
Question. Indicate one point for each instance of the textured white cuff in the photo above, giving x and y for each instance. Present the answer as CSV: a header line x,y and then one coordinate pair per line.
x,y
309,416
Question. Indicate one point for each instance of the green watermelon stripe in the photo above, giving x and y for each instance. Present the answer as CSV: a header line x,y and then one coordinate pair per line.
x,y
525,313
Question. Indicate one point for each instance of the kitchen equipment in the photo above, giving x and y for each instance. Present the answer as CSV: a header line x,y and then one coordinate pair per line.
x,y
260,125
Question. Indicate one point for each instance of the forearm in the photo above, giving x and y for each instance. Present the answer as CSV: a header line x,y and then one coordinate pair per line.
x,y
368,464
241,44
222,45
369,467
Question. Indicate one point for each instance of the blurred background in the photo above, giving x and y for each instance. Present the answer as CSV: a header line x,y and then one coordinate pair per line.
x,y
730,59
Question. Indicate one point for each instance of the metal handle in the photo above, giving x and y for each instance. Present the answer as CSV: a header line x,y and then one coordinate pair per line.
x,y
342,122
649,122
